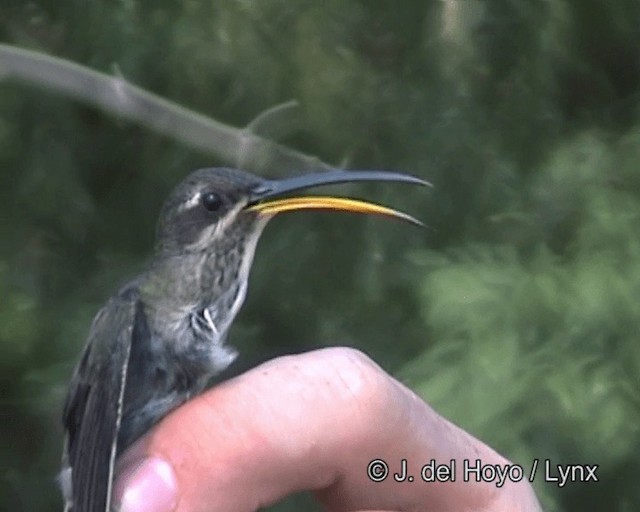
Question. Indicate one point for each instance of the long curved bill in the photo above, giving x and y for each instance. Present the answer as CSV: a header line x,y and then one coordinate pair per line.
x,y
266,198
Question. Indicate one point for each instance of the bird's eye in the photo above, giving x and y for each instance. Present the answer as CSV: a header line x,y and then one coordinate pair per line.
x,y
211,201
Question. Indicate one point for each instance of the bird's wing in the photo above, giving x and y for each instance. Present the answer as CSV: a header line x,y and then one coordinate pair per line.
x,y
93,409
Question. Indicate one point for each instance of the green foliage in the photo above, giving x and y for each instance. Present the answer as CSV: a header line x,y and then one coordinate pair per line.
x,y
515,314
560,330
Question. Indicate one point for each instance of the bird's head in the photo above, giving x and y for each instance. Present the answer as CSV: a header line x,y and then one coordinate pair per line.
x,y
220,208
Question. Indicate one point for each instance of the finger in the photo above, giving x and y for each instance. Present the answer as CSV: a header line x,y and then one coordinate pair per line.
x,y
308,422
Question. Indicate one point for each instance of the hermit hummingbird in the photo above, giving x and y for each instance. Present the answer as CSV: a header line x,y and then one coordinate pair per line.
x,y
161,338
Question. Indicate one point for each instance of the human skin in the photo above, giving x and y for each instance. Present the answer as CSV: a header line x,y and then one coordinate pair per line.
x,y
307,422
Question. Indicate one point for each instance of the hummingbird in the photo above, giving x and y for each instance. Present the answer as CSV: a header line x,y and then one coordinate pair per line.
x,y
161,338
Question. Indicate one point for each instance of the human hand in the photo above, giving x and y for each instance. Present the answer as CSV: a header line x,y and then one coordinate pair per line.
x,y
308,422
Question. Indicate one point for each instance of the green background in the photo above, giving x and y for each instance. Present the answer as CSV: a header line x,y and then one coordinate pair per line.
x,y
516,315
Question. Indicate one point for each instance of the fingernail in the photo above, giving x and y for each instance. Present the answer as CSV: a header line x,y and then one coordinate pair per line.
x,y
148,486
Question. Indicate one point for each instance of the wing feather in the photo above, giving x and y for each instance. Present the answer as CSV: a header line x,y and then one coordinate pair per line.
x,y
94,406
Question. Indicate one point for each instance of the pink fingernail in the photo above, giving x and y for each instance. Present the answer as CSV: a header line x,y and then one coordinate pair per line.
x,y
149,486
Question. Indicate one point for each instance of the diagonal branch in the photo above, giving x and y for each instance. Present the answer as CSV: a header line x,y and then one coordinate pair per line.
x,y
114,95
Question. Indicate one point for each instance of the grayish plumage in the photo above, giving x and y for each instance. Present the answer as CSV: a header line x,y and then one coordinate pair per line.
x,y
161,338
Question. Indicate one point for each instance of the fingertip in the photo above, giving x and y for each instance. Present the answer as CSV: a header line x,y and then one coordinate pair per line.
x,y
147,485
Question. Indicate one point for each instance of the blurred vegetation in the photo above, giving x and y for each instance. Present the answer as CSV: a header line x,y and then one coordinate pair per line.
x,y
516,315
